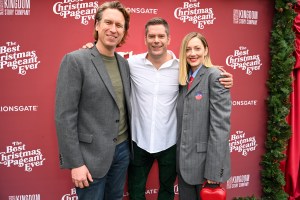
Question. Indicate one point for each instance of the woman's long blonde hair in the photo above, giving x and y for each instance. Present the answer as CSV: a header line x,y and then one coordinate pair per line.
x,y
184,67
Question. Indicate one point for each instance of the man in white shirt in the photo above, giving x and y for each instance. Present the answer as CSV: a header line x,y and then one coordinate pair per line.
x,y
154,82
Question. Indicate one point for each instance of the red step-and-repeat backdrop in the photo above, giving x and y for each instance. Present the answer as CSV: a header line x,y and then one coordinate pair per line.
x,y
36,34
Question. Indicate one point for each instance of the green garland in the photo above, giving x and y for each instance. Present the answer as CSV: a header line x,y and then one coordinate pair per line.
x,y
280,88
278,103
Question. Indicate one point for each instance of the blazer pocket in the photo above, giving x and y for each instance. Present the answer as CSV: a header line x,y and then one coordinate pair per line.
x,y
87,138
201,147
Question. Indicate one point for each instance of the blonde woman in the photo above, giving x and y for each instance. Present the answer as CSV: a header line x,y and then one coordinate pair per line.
x,y
203,117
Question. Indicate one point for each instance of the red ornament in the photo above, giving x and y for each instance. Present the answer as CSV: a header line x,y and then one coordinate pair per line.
x,y
290,5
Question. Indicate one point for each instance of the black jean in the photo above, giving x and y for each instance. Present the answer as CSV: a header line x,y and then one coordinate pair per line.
x,y
140,167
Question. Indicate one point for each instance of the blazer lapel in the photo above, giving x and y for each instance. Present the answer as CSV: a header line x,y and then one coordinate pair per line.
x,y
197,79
100,67
124,72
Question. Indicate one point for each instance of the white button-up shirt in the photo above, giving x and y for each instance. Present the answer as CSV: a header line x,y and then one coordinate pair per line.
x,y
153,98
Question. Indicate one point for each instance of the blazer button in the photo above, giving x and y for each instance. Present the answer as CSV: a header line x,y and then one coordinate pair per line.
x,y
115,139
60,159
117,121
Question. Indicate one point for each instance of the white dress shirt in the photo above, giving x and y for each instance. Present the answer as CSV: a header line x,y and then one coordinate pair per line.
x,y
153,98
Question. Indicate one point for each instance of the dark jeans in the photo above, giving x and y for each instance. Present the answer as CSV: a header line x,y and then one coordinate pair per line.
x,y
140,167
187,191
111,186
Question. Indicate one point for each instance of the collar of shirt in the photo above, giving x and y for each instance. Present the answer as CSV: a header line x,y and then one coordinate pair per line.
x,y
164,65
195,72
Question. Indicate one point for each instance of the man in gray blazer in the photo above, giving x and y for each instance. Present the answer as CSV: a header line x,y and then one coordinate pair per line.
x,y
93,109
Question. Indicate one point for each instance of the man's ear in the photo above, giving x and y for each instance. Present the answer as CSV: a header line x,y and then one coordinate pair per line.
x,y
96,25
145,40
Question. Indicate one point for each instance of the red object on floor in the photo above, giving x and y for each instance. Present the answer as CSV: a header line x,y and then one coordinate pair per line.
x,y
208,193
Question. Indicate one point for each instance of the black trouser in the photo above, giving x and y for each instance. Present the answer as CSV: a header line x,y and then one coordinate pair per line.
x,y
140,167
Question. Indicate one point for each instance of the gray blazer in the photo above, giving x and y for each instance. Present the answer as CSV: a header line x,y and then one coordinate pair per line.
x,y
87,115
203,115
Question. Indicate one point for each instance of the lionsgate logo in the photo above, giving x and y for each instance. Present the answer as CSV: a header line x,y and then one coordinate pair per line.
x,y
242,59
20,108
25,197
238,181
12,57
78,9
240,143
143,10
191,12
15,7
17,155
249,17
244,103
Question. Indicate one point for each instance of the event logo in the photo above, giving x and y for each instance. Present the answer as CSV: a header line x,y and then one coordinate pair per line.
x,y
71,196
176,189
143,10
249,17
25,197
15,7
125,194
238,181
155,190
240,143
151,191
244,103
80,10
12,57
17,155
126,55
191,12
241,59
27,108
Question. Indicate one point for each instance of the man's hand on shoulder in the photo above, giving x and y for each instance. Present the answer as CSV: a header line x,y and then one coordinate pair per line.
x,y
88,45
227,80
